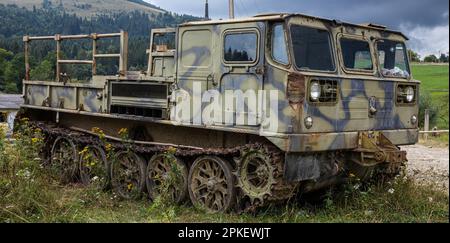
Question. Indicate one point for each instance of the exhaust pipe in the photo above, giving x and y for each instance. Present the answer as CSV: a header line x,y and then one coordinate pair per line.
x,y
231,3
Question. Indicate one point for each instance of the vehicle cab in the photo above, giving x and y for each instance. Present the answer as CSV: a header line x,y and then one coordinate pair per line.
x,y
333,79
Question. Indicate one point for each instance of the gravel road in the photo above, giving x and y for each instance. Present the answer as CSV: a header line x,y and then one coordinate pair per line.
x,y
428,165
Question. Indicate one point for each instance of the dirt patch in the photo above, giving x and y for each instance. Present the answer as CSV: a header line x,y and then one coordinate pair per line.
x,y
429,165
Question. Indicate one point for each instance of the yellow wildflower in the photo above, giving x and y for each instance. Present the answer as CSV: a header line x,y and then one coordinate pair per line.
x,y
99,132
171,150
85,150
123,132
108,147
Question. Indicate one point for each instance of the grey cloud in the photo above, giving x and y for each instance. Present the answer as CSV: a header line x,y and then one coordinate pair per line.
x,y
409,16
388,12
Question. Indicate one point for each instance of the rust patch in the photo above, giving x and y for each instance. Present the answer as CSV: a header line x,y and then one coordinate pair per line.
x,y
295,90
314,138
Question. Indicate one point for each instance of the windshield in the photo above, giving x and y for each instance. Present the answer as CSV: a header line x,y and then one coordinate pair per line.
x,y
356,54
393,58
312,48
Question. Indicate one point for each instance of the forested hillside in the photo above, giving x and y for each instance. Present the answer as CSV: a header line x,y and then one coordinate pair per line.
x,y
88,8
19,21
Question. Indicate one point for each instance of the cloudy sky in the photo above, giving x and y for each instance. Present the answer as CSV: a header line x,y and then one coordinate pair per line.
x,y
426,23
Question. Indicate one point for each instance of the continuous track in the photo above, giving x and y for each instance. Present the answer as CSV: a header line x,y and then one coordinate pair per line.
x,y
278,191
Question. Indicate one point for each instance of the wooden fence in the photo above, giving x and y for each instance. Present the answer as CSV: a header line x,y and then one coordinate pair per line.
x,y
426,131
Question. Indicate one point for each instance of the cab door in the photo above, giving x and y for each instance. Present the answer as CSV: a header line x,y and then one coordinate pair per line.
x,y
195,67
241,73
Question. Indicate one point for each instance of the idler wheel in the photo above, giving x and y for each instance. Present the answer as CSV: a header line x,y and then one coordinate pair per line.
x,y
64,159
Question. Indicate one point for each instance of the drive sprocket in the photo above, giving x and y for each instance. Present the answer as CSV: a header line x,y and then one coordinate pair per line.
x,y
266,163
255,174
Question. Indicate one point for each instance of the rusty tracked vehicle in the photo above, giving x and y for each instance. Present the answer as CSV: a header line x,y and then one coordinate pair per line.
x,y
322,101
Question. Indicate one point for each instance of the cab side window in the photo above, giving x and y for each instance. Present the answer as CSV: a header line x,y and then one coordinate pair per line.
x,y
279,48
241,47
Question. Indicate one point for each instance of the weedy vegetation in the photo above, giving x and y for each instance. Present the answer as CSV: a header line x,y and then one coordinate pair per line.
x,y
28,193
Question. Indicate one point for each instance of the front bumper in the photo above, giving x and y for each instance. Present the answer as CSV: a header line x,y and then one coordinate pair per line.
x,y
319,142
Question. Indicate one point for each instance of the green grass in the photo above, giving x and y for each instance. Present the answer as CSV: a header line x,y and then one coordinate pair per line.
x,y
408,203
434,80
440,141
433,77
28,193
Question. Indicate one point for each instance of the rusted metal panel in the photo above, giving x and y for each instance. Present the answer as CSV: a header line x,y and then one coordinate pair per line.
x,y
296,90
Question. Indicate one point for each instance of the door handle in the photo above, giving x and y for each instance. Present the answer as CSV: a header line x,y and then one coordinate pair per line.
x,y
211,79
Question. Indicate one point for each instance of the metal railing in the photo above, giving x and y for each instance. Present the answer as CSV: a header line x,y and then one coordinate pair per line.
x,y
122,56
434,131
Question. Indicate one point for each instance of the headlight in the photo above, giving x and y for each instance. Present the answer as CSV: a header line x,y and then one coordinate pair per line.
x,y
406,94
308,122
409,92
315,91
414,119
323,91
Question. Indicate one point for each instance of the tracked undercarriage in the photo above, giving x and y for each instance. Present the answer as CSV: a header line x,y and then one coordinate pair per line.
x,y
242,178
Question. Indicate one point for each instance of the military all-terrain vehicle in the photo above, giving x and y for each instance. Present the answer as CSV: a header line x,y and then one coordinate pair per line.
x,y
314,102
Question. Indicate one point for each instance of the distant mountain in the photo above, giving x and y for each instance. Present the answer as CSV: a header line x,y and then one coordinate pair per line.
x,y
144,3
89,8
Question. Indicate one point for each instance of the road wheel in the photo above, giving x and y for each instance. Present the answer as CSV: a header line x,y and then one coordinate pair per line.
x,y
128,175
168,175
211,184
94,167
64,159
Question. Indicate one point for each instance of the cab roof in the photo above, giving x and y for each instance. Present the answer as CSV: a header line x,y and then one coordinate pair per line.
x,y
284,16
